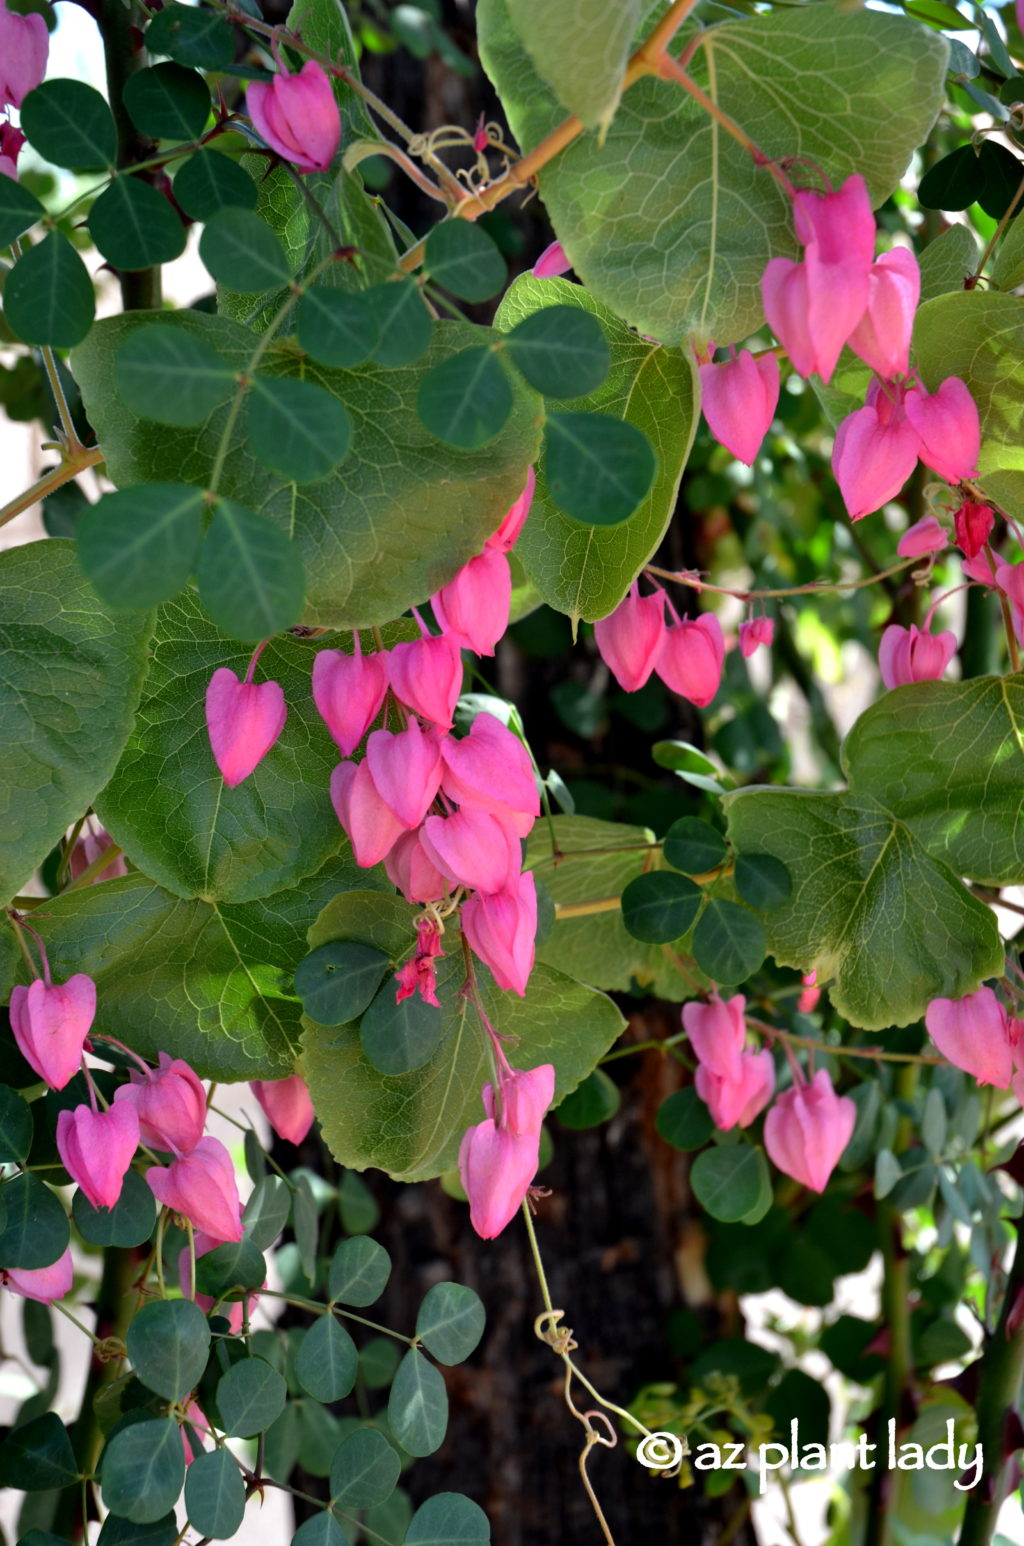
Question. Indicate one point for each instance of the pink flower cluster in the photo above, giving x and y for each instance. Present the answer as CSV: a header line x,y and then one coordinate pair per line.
x,y
687,653
808,1126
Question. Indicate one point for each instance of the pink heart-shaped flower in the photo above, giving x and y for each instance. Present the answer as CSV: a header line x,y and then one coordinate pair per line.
x,y
244,720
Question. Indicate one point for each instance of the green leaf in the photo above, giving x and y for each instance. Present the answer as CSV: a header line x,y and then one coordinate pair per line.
x,y
411,1125
168,102
762,881
729,1180
266,1212
19,211
250,575
398,1038
402,320
142,1470
320,1530
336,329
675,242
595,1101
208,182
128,1223
297,429
15,1127
449,1519
337,981
728,942
364,1471
466,400
561,350
37,1456
233,1268
70,124
659,907
580,51
934,1125
948,260
954,182
168,1342
357,1206
305,1224
586,570
464,260
122,1532
359,1272
249,1397
191,36
172,376
215,1494
450,1322
33,1226
352,528
134,226
887,1172
684,1121
48,295
327,1361
239,248
694,846
138,546
598,468
418,1405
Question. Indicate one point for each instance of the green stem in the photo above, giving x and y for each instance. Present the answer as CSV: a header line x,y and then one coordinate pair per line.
x,y
140,290
1002,1369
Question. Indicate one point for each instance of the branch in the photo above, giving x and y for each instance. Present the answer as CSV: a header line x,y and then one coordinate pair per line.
x,y
1002,1368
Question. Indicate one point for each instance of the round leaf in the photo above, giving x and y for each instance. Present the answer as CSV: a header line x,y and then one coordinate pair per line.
x,y
142,1470
242,252
266,1212
168,1342
449,1519
729,1181
321,1530
728,942
684,1121
215,1494
139,546
403,322
359,1271
598,468
129,1222
659,907
48,295
168,102
208,182
762,880
694,846
70,124
336,328
327,1361
192,35
418,1405
466,400
37,1456
250,1396
251,578
15,1127
134,226
398,1038
594,1101
450,1322
338,980
122,1532
464,259
19,210
232,1268
561,350
297,429
364,1471
34,1229
172,376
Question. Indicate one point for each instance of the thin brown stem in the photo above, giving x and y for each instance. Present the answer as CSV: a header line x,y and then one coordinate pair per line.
x,y
813,588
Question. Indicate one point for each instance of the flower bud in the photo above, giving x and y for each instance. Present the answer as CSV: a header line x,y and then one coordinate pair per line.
x,y
371,826
405,766
739,398
244,720
755,632
925,536
490,770
882,336
170,1103
913,655
630,639
298,116
11,141
44,1284
736,1100
348,691
972,527
551,262
287,1105
201,1187
974,1034
97,1148
426,676
507,534
691,657
717,1033
414,873
473,608
949,429
807,1130
502,929
474,849
24,47
50,1023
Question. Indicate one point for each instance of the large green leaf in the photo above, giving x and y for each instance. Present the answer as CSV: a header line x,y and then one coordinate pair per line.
x,y
586,570
411,1124
392,525
670,222
211,982
580,50
69,685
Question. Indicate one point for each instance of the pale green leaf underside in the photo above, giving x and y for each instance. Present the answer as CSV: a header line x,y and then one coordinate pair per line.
x,y
670,223
580,50
585,571
391,526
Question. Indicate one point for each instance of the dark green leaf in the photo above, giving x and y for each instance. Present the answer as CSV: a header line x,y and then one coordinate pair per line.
x,y
122,1532
249,1397
598,468
728,942
138,546
266,1212
307,1226
799,1398
364,1471
378,1360
297,429
48,295
192,36
319,1436
70,124
684,1121
38,1457
19,210
37,1322
594,1101
561,351
171,376
403,322
168,102
357,1206
464,259
215,1494
129,1222
251,578
398,1038
327,1361
466,400
450,1322
659,907
694,846
241,251
34,1230
15,1127
208,182
142,1470
762,881
168,1342
335,327
1002,172
338,980
320,1530
729,1180
237,1265
418,1405
449,1519
359,1271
